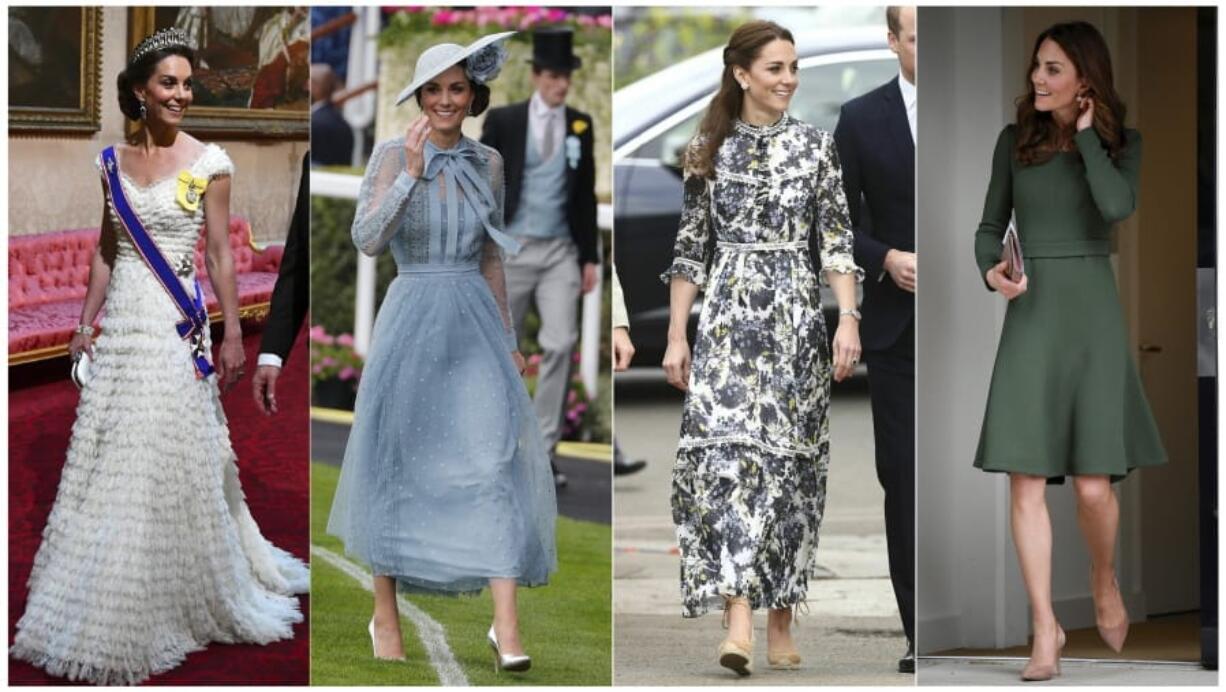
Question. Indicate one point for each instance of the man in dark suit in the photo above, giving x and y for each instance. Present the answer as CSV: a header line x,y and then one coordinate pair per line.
x,y
290,299
876,142
550,208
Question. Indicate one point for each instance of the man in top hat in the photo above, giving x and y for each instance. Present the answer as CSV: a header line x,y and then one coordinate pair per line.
x,y
551,209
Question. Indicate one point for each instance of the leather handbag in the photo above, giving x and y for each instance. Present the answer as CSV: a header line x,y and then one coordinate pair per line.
x,y
1011,254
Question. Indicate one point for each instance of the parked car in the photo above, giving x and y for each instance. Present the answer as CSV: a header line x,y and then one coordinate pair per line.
x,y
653,121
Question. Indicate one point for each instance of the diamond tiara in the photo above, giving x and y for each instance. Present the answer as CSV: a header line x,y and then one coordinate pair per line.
x,y
164,38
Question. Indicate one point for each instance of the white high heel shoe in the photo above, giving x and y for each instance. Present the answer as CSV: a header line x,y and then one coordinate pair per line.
x,y
512,662
370,627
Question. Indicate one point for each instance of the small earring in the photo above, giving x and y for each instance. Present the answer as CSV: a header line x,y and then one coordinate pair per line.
x,y
744,86
143,112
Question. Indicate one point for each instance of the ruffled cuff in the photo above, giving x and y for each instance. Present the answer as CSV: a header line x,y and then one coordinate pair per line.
x,y
691,271
841,265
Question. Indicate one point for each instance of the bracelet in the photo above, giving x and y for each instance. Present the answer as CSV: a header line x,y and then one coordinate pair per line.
x,y
850,311
85,329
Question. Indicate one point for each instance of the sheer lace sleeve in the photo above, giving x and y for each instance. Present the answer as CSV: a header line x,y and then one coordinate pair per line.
x,y
383,198
491,252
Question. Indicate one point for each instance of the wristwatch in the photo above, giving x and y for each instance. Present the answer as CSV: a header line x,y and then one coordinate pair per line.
x,y
850,311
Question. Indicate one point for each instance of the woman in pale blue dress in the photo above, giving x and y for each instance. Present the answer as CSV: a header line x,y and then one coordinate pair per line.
x,y
446,484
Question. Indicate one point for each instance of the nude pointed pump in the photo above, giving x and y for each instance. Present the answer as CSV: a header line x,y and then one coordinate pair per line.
x,y
1115,635
515,663
1039,672
370,627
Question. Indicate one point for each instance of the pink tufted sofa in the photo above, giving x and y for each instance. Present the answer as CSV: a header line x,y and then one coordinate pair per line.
x,y
48,274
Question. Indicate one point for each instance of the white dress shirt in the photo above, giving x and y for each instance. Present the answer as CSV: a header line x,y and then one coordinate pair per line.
x,y
908,100
268,359
540,115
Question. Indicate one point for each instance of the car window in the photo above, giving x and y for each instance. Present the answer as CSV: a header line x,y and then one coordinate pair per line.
x,y
824,89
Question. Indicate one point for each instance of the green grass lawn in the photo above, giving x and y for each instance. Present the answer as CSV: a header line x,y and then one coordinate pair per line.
x,y
565,626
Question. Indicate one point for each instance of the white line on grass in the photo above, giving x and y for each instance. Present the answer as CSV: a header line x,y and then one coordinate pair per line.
x,y
432,634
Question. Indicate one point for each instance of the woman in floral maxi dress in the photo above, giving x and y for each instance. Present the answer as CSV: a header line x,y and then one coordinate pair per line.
x,y
762,189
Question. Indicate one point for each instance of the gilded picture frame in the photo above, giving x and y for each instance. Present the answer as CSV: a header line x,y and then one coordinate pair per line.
x,y
237,91
55,58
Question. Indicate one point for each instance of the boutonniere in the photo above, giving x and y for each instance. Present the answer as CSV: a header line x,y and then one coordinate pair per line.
x,y
578,127
190,190
572,151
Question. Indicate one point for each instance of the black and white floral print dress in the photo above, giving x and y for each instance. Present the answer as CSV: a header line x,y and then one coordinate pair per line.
x,y
749,484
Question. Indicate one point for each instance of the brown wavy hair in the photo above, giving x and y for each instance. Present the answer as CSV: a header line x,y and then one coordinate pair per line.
x,y
743,48
1039,136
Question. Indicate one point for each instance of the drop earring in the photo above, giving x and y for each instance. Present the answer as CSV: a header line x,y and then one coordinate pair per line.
x,y
143,111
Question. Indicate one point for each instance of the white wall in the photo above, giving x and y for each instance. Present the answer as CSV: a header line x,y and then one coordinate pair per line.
x,y
970,590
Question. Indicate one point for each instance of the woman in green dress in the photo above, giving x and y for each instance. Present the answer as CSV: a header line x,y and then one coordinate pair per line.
x,y
1065,398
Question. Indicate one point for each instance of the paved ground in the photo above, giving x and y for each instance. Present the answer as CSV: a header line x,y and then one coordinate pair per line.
x,y
586,496
1098,673
852,635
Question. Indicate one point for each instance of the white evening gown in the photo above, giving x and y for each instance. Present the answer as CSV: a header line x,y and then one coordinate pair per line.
x,y
150,552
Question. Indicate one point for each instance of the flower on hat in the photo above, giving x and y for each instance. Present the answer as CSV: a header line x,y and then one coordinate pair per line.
x,y
485,64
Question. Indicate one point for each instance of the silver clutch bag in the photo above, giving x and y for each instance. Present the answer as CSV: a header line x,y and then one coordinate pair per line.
x,y
82,370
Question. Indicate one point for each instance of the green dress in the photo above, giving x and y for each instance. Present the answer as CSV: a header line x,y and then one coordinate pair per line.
x,y
1065,398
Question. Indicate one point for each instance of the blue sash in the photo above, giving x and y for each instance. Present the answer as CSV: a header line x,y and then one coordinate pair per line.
x,y
195,318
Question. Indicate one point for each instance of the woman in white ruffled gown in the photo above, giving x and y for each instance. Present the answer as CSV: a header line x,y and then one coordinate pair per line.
x,y
150,552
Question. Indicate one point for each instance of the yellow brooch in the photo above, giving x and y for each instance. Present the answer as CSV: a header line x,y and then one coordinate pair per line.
x,y
191,190
578,127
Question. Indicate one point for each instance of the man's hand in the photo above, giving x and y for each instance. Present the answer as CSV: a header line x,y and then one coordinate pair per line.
x,y
589,276
264,388
901,267
623,349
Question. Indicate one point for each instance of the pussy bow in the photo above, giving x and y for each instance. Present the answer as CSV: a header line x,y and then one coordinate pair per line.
x,y
457,166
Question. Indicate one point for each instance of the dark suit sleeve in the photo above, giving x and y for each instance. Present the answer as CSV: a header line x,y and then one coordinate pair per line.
x,y
584,198
291,295
869,252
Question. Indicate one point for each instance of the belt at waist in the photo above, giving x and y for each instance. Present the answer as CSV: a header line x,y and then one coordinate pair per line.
x,y
427,269
779,246
1065,248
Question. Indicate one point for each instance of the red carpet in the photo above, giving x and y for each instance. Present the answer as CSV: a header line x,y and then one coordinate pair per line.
x,y
273,465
